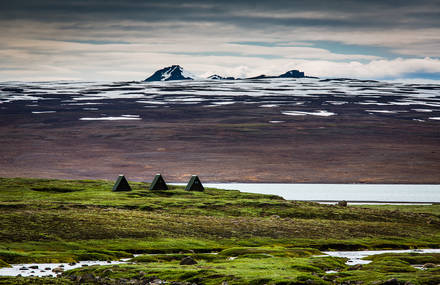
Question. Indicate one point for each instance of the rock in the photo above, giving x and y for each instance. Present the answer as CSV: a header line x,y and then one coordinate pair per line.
x,y
61,265
107,271
84,265
47,268
188,261
58,270
87,278
24,268
355,267
392,281
342,203
429,265
72,263
33,267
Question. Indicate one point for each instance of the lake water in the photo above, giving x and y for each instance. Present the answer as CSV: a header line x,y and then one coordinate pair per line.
x,y
355,193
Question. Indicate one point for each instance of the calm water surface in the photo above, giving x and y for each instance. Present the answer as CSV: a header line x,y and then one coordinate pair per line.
x,y
336,192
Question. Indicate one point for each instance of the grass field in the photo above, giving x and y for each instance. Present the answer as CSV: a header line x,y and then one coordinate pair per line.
x,y
260,239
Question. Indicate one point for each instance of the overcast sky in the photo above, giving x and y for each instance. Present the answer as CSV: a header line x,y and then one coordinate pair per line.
x,y
129,40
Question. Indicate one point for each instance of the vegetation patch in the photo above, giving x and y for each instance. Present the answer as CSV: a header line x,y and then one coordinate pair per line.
x,y
233,237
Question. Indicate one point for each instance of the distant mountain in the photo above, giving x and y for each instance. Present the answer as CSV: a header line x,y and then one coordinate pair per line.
x,y
174,72
289,74
218,77
262,76
292,74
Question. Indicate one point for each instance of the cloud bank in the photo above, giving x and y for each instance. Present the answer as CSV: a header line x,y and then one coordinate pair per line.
x,y
128,40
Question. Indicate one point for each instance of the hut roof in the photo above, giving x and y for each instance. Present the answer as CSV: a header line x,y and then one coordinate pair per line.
x,y
121,184
194,184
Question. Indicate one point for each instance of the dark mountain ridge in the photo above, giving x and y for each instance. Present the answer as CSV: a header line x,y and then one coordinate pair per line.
x,y
176,72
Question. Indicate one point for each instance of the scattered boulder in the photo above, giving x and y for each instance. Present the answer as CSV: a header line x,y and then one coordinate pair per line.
x,y
342,203
392,281
72,263
355,267
429,265
58,270
107,271
47,268
24,268
87,278
33,267
188,261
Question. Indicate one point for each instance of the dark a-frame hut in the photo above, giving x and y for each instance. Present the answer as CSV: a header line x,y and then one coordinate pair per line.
x,y
194,184
158,183
121,184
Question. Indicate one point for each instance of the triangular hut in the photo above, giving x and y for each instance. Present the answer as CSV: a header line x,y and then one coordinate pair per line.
x,y
121,184
194,184
158,183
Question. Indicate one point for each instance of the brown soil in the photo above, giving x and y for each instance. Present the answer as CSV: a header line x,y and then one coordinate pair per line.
x,y
222,144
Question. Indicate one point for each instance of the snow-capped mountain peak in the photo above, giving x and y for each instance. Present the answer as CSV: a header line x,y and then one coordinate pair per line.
x,y
218,77
173,72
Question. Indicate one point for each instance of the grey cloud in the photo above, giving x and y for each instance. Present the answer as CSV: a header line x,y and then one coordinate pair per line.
x,y
358,14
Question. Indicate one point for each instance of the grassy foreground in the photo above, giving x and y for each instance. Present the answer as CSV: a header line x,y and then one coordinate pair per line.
x,y
260,239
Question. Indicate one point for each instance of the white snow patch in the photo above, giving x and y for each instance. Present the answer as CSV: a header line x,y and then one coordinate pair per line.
x,y
423,110
121,118
269,106
43,112
337,102
151,102
321,113
382,111
222,103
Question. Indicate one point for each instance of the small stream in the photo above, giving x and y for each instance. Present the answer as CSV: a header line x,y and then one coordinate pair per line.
x,y
46,269
355,257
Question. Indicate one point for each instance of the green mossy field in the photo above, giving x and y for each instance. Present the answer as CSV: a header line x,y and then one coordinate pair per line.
x,y
235,237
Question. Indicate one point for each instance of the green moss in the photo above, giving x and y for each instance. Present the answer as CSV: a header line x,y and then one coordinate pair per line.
x,y
275,241
411,258
4,264
389,265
